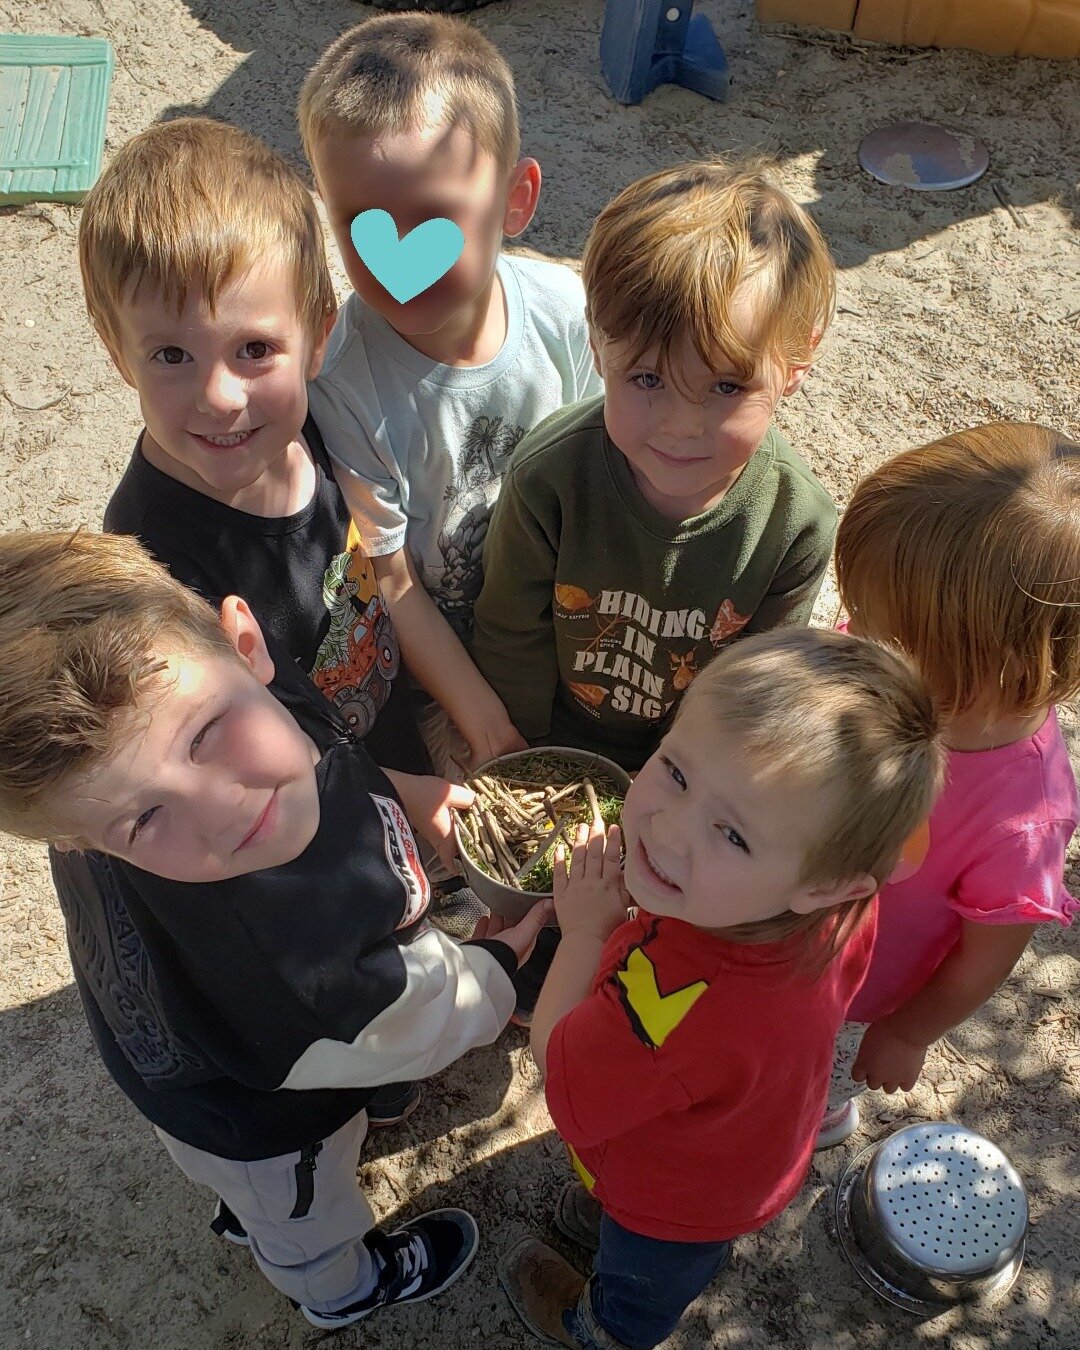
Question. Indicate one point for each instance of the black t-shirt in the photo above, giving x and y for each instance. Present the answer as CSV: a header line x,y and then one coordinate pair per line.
x,y
304,576
204,997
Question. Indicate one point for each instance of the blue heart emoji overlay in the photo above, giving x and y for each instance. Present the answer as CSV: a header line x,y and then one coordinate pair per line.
x,y
408,266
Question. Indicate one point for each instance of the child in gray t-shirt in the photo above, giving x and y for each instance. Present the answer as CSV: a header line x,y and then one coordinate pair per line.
x,y
422,403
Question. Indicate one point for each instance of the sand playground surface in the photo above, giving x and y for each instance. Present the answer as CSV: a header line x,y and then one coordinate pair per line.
x,y
955,309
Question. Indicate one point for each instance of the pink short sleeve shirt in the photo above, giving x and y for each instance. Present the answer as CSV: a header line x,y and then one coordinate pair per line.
x,y
995,854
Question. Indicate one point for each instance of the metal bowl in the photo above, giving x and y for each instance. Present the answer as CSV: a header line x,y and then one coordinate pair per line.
x,y
932,1216
500,898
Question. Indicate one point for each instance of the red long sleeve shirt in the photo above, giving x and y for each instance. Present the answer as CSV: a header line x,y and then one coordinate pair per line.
x,y
690,1084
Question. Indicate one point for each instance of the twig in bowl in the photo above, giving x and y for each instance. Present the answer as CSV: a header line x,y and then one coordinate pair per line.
x,y
594,806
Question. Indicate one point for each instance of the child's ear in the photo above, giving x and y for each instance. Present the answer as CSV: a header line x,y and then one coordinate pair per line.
x,y
796,374
811,898
522,195
243,631
318,353
795,377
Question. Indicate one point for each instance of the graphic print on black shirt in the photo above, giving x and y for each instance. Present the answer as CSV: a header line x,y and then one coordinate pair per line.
x,y
305,577
110,954
359,656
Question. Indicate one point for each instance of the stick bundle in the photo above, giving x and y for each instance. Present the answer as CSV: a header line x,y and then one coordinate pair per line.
x,y
513,825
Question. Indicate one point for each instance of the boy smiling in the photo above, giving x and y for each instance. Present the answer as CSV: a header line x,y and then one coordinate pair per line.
x,y
205,275
687,1050
639,533
245,909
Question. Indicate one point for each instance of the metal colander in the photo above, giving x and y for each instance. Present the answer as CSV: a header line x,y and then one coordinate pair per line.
x,y
933,1215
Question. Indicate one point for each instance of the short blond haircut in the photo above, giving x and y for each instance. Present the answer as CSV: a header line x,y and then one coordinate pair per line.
x,y
966,553
187,207
81,617
847,721
665,260
380,76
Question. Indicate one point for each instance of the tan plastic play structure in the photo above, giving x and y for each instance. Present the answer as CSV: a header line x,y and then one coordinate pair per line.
x,y
1049,28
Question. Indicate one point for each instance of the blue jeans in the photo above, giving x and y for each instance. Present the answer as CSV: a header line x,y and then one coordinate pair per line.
x,y
640,1288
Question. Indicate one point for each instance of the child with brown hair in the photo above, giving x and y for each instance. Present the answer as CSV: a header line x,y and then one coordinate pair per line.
x,y
423,400
638,533
205,275
245,908
687,1051
965,553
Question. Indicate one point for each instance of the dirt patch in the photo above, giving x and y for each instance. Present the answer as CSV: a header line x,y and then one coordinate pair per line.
x,y
953,311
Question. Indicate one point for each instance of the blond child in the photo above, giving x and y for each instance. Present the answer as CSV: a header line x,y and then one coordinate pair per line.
x,y
966,554
422,402
687,1051
639,533
245,909
205,276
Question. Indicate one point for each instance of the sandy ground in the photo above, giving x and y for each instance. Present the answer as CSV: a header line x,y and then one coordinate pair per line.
x,y
954,311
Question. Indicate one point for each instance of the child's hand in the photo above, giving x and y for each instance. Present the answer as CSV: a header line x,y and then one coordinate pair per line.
x,y
591,897
498,737
520,937
886,1060
428,802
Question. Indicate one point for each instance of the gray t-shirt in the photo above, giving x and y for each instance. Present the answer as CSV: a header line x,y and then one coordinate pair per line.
x,y
427,444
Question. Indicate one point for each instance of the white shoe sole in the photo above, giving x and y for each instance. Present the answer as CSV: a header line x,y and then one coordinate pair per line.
x,y
842,1130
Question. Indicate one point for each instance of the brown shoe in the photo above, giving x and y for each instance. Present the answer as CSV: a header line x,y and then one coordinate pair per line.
x,y
577,1216
541,1286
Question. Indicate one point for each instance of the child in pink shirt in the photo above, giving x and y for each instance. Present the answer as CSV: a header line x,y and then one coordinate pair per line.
x,y
966,553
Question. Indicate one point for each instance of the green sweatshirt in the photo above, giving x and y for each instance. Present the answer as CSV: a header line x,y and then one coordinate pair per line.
x,y
597,611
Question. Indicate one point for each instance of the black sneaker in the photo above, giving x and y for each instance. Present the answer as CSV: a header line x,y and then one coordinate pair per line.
x,y
226,1225
392,1103
415,1262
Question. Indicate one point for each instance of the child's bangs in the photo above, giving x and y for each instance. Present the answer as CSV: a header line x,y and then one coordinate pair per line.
x,y
737,305
206,258
199,267
392,71
187,207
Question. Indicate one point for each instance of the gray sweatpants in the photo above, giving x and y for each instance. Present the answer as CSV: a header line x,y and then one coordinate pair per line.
x,y
304,1212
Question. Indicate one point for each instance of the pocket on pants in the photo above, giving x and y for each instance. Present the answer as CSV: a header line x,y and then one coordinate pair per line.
x,y
304,1179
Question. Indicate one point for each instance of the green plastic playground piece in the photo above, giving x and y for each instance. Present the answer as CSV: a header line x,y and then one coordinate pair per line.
x,y
54,92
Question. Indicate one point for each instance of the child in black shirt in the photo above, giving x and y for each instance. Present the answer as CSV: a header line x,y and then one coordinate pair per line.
x,y
245,908
217,318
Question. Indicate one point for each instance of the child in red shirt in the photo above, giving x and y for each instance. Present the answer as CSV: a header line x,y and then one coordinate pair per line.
x,y
687,1052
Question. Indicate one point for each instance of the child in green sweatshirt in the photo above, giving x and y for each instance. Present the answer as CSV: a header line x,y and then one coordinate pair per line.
x,y
638,533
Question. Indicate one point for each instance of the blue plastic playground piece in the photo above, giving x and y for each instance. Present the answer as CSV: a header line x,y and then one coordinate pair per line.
x,y
648,42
